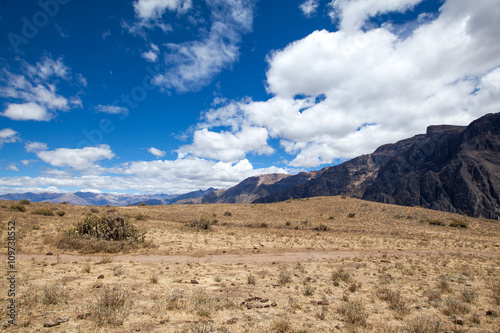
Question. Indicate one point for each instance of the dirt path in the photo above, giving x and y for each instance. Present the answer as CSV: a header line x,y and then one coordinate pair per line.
x,y
251,257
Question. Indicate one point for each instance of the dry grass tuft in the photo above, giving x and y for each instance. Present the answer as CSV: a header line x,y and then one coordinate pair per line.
x,y
111,307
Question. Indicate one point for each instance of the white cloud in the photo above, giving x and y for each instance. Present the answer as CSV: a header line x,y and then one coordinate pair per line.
x,y
8,135
11,167
27,111
105,34
227,146
111,109
309,7
78,159
28,162
36,96
157,152
169,176
152,54
353,13
191,65
340,94
35,147
154,9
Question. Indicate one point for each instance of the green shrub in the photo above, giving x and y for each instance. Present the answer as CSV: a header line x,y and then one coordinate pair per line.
x,y
459,224
109,227
201,224
43,211
19,208
436,222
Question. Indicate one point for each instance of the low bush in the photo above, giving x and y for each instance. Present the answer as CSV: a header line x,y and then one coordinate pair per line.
x,y
437,222
25,202
201,224
43,211
459,224
61,213
19,208
108,233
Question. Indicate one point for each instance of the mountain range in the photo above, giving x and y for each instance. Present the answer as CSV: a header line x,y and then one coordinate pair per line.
x,y
449,168
102,199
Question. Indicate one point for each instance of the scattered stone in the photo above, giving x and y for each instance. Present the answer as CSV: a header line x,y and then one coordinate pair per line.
x,y
491,313
249,306
264,300
56,322
100,277
83,315
274,304
194,282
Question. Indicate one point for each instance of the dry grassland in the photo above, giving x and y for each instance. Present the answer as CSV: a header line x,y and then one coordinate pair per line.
x,y
314,265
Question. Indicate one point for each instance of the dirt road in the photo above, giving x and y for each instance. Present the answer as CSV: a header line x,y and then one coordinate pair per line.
x,y
251,257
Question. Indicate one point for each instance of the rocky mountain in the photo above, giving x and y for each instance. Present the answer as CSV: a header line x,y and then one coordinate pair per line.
x,y
450,168
256,187
102,199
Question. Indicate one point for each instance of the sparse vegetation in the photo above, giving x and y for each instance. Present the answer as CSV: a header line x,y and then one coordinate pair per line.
x,y
240,277
228,213
111,307
25,202
436,222
354,313
19,208
43,211
108,233
201,224
459,224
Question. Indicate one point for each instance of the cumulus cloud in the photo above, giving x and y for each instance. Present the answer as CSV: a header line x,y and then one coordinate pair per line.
x,y
33,93
27,111
340,94
309,7
228,146
169,176
157,152
8,135
111,109
353,14
77,159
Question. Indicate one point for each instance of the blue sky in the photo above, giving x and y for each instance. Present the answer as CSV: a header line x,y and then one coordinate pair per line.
x,y
170,96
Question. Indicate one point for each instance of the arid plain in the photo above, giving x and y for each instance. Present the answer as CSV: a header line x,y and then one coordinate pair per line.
x,y
326,264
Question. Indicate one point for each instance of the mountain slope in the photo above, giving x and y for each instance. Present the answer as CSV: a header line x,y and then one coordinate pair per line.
x,y
450,168
256,187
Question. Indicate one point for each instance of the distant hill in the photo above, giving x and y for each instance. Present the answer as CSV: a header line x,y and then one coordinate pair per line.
x,y
102,199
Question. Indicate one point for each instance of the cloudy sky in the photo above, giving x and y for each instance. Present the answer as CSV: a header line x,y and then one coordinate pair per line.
x,y
169,96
